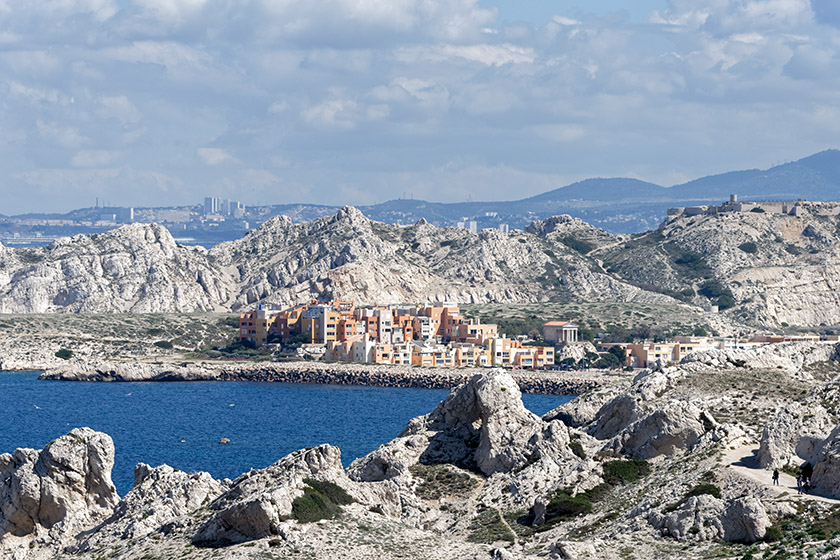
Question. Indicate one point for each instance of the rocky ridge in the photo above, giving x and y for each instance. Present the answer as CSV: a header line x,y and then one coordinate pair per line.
x,y
772,269
780,269
140,268
634,462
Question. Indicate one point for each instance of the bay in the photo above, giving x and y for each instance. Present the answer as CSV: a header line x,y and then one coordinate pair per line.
x,y
180,424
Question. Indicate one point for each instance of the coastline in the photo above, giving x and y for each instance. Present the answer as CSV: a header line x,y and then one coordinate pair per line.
x,y
543,382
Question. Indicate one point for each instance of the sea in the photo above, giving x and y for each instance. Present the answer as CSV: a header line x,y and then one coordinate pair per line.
x,y
181,423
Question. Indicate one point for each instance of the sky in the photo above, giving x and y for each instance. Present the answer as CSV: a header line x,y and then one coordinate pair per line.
x,y
164,102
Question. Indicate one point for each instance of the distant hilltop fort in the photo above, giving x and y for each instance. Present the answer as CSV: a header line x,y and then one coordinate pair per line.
x,y
790,207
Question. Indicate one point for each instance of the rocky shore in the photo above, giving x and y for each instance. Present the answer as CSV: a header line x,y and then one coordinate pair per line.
x,y
545,382
633,469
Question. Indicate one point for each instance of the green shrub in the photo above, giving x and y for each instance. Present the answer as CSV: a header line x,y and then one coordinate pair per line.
x,y
748,247
165,344
156,331
701,489
577,449
64,354
773,534
691,262
576,244
564,506
598,493
230,321
623,471
313,506
718,293
436,481
757,210
488,527
331,490
320,500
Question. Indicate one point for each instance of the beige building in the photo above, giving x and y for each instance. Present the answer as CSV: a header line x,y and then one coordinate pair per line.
x,y
555,332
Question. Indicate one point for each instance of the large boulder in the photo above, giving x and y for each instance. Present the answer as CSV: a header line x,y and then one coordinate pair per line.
x,y
676,426
794,435
705,518
56,493
616,415
825,478
481,425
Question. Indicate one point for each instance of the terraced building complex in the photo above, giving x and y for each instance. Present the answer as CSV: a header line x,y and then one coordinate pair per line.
x,y
424,335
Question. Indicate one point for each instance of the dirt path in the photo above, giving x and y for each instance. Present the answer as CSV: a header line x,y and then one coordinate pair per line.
x,y
743,461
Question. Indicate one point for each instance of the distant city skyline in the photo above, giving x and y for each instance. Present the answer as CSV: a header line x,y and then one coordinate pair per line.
x,y
164,102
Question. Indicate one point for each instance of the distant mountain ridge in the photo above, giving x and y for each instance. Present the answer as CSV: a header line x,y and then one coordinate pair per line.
x,y
617,205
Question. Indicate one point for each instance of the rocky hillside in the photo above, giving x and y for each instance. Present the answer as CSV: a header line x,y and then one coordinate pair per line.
x,y
352,257
140,268
667,463
136,268
770,269
761,268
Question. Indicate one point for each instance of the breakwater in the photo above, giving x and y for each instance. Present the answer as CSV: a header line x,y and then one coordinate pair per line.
x,y
544,382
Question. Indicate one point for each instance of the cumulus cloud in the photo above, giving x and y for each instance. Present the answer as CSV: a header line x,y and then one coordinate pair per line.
x,y
214,156
316,100
93,158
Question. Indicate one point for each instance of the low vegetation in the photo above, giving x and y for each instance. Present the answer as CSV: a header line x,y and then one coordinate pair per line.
x,y
435,481
320,500
625,471
489,527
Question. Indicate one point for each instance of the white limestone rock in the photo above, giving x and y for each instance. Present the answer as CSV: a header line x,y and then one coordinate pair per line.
x,y
706,518
160,495
481,424
53,494
258,502
826,476
616,415
674,427
795,435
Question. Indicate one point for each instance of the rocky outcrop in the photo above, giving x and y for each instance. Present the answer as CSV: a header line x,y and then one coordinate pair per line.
x,y
788,356
794,436
704,518
260,501
481,425
779,268
826,475
573,351
161,495
136,268
54,494
674,427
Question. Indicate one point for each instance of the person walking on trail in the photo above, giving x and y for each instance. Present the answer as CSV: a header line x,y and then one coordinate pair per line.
x,y
807,486
775,477
799,482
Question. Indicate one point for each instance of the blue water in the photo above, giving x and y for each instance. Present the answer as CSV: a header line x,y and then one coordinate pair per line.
x,y
180,424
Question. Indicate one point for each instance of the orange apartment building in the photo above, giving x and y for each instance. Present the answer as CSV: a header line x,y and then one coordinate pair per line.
x,y
394,335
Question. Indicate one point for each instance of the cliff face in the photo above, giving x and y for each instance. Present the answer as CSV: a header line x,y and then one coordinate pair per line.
x,y
140,268
137,268
778,268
